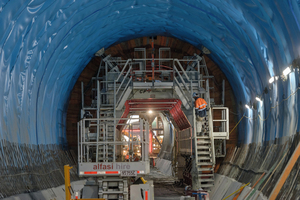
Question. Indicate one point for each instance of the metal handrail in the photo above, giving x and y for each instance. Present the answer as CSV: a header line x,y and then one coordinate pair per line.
x,y
127,85
123,80
123,69
187,99
154,70
166,59
207,96
105,119
120,143
180,78
82,144
176,60
211,136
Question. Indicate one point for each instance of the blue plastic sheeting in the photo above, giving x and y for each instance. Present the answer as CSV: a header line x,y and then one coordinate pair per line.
x,y
44,45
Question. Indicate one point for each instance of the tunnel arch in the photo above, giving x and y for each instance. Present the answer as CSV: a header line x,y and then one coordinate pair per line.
x,y
44,45
54,41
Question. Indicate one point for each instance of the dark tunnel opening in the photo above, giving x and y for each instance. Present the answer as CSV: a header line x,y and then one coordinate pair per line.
x,y
125,50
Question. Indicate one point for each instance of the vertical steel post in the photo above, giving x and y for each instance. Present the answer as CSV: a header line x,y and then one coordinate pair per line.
x,y
159,58
211,135
106,84
147,142
173,73
98,122
131,140
223,123
67,181
227,122
223,92
199,75
115,99
84,145
191,93
82,98
194,171
78,141
152,63
207,93
142,139
105,131
82,129
104,138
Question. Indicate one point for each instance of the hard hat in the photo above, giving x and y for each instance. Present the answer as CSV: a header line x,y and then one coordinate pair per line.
x,y
195,95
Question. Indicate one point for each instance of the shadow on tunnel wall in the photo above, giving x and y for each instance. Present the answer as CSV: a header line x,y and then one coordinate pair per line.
x,y
28,168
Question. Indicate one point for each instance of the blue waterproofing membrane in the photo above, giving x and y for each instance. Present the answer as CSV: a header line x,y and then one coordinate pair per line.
x,y
44,46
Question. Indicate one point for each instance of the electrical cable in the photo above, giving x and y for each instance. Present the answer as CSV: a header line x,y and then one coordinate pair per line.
x,y
236,125
236,191
273,107
233,112
268,178
259,115
255,184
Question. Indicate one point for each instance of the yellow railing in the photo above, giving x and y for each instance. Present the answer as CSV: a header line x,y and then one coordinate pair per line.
x,y
68,184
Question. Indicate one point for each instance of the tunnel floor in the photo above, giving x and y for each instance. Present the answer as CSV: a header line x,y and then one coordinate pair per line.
x,y
164,186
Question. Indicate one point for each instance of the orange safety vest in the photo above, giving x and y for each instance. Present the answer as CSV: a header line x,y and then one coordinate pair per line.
x,y
200,104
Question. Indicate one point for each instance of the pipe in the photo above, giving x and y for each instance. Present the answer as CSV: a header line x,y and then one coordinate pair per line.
x,y
236,191
255,184
152,63
286,172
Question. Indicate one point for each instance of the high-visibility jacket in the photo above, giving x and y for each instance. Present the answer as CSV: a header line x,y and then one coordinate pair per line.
x,y
200,104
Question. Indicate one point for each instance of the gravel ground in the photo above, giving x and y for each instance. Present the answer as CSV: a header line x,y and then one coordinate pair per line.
x,y
164,186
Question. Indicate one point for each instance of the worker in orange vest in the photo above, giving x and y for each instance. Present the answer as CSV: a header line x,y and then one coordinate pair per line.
x,y
200,106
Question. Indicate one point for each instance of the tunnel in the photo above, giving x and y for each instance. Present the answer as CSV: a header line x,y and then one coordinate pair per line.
x,y
47,45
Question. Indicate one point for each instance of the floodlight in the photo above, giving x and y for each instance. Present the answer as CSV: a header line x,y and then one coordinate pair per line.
x,y
258,99
150,111
287,71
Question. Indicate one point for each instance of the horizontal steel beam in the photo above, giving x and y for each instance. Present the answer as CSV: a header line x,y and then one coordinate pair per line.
x,y
152,102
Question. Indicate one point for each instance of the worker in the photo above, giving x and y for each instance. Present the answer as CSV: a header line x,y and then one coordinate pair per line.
x,y
200,107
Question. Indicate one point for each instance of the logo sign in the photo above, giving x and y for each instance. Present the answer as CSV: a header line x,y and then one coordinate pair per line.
x,y
110,168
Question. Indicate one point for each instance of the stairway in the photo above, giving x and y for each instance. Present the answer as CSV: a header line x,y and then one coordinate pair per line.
x,y
106,151
106,130
111,187
204,151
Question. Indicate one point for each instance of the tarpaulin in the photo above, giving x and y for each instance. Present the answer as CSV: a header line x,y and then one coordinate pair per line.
x,y
45,44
